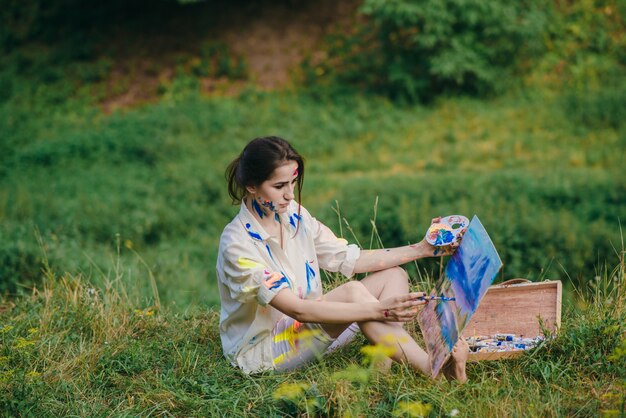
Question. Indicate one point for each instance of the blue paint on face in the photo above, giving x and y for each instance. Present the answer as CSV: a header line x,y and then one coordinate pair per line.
x,y
269,204
257,208
310,276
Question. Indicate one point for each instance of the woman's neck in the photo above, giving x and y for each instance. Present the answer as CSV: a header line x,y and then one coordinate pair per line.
x,y
267,218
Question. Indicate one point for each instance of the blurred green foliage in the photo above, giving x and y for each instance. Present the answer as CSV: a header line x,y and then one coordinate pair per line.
x,y
532,220
587,50
547,192
417,49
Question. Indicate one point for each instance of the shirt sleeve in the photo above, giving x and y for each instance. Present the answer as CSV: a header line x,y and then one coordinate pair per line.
x,y
333,253
248,279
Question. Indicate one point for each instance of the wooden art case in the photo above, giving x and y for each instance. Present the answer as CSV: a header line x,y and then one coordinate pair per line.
x,y
514,307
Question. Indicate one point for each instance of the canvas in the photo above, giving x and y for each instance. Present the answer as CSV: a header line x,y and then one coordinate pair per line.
x,y
468,274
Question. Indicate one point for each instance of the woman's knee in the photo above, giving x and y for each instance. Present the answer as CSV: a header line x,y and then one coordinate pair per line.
x,y
397,274
357,292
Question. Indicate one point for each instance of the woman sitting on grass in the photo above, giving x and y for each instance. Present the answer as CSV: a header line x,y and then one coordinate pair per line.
x,y
274,315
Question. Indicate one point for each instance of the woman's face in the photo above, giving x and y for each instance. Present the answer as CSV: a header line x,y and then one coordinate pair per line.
x,y
275,193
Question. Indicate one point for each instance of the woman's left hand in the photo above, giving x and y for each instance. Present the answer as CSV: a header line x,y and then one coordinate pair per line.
x,y
449,249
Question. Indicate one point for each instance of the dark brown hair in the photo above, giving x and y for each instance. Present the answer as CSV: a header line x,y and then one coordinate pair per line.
x,y
257,162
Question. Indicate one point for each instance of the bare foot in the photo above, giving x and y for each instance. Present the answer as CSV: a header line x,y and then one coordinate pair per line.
x,y
455,367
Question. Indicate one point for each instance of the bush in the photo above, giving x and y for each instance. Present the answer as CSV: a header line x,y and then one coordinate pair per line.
x,y
586,59
417,49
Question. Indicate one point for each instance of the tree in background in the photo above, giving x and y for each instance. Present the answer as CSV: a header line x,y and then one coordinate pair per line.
x,y
417,49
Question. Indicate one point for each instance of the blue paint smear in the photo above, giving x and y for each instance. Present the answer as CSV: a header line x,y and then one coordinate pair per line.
x,y
310,276
257,208
294,220
269,205
276,218
471,270
444,237
253,234
447,322
270,253
282,280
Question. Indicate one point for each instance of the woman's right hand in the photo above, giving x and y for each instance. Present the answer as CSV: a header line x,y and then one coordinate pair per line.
x,y
401,308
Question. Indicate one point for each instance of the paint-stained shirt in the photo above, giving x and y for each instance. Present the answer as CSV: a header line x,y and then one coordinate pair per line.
x,y
252,268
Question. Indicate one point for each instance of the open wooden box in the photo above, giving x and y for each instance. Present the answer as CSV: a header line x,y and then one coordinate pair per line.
x,y
514,307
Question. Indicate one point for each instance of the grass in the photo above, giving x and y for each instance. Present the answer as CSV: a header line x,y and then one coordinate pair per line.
x,y
550,193
71,349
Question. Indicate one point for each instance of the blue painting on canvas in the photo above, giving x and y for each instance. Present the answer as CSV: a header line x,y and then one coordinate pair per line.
x,y
468,275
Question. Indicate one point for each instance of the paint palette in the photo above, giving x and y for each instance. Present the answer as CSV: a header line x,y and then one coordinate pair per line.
x,y
445,231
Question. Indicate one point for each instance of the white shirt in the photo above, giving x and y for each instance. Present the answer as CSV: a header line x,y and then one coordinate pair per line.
x,y
247,258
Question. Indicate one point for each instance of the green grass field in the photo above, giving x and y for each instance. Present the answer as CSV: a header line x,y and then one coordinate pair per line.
x,y
73,350
149,183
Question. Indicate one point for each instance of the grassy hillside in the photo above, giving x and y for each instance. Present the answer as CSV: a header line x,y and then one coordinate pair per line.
x,y
149,182
72,350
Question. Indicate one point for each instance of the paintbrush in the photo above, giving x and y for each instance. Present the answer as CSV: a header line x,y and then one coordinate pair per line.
x,y
443,298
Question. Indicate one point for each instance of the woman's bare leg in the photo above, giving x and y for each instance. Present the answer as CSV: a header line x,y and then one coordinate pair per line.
x,y
372,288
455,367
393,282
386,284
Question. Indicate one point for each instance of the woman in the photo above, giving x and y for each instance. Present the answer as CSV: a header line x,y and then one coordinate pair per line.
x,y
274,315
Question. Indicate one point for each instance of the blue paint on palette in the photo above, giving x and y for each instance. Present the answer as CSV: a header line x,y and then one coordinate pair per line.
x,y
444,237
310,276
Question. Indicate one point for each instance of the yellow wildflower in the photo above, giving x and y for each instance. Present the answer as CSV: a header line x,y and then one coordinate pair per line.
x,y
378,352
6,376
290,391
412,409
33,374
6,329
144,312
352,373
21,342
391,339
128,244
